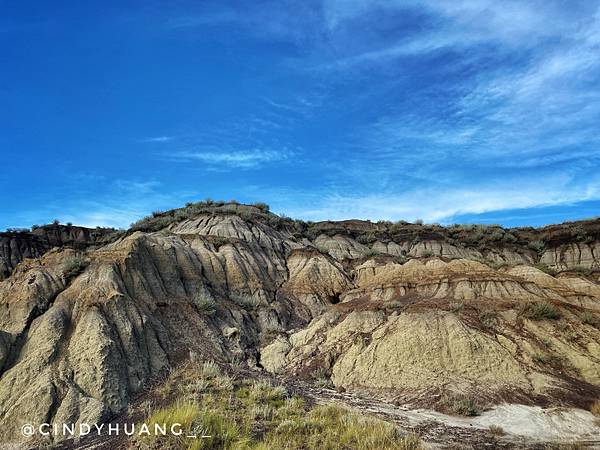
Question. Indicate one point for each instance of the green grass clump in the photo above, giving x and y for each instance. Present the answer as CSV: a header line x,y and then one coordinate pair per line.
x,y
589,319
497,430
210,369
331,427
539,311
461,405
393,304
581,270
205,304
456,307
369,253
248,302
74,265
546,269
213,430
488,318
257,415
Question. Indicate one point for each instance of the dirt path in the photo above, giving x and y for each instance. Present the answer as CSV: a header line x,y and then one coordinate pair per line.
x,y
526,427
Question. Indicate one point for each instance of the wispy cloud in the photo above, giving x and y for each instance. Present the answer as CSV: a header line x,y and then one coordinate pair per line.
x,y
235,159
117,204
286,20
158,139
442,203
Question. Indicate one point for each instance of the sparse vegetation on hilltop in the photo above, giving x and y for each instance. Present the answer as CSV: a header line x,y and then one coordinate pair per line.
x,y
477,236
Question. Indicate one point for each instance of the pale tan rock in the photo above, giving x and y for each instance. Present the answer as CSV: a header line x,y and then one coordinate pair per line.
x,y
315,280
573,255
340,247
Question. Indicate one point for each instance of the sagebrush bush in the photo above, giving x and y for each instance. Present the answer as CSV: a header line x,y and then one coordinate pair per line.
x,y
497,235
588,318
205,304
369,253
497,430
546,269
367,238
456,307
246,301
393,304
536,246
539,311
581,270
465,406
488,318
262,206
74,265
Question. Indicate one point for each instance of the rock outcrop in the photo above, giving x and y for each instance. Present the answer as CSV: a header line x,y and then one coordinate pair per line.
x,y
421,329
18,245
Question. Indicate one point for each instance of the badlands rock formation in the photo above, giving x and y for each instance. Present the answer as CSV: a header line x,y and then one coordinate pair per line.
x,y
17,245
413,313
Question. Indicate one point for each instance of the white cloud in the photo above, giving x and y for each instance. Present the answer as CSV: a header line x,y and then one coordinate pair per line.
x,y
104,215
511,25
120,203
158,139
236,159
509,21
442,203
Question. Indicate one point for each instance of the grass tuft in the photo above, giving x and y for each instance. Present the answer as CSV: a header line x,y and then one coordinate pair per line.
x,y
488,318
546,269
497,430
205,304
74,265
588,318
456,307
539,311
248,302
461,405
256,415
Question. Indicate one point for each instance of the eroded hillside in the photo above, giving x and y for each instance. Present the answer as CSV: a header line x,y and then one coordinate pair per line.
x,y
418,315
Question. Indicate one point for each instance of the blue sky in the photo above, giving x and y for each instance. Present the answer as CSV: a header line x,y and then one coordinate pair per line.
x,y
448,111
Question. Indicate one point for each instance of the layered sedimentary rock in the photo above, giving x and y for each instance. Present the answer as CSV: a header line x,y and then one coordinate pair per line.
x,y
418,329
571,255
16,246
85,328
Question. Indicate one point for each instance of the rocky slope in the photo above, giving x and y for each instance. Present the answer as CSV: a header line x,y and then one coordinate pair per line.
x,y
413,314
